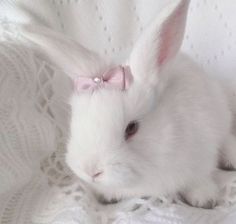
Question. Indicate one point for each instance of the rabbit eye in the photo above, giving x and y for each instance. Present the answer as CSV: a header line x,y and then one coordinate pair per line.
x,y
131,129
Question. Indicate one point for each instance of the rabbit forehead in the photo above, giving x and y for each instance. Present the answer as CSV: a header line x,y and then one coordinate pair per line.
x,y
99,119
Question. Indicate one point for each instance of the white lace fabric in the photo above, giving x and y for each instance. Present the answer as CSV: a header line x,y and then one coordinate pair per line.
x,y
36,187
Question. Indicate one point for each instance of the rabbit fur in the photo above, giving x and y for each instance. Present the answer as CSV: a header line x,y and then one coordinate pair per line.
x,y
185,116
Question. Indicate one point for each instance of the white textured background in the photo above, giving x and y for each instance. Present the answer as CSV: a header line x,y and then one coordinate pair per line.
x,y
110,27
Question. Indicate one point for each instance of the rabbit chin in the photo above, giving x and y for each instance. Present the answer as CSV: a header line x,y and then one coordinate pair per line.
x,y
119,190
122,190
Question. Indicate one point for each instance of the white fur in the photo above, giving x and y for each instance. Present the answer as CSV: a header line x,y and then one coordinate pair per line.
x,y
184,115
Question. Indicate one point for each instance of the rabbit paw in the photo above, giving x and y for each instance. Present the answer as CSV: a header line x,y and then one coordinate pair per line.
x,y
202,196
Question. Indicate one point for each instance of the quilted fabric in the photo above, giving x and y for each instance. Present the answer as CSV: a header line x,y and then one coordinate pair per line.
x,y
36,187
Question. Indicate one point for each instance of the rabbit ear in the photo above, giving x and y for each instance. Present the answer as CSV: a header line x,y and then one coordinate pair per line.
x,y
159,43
66,54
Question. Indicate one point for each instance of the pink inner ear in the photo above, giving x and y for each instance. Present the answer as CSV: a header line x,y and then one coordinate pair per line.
x,y
164,48
171,34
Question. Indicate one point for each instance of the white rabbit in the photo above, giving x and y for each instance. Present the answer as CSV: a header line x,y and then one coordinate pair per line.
x,y
162,134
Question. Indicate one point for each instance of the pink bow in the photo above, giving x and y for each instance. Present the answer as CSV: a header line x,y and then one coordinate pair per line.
x,y
119,78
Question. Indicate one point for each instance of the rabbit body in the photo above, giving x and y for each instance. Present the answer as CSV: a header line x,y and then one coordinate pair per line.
x,y
177,147
183,117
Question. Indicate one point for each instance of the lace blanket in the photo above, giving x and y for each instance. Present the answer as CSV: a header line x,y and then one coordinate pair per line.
x,y
36,187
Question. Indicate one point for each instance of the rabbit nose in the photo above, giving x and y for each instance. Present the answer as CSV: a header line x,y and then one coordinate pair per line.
x,y
97,174
94,172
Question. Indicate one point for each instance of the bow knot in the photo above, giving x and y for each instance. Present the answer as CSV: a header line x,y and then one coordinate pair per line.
x,y
118,78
